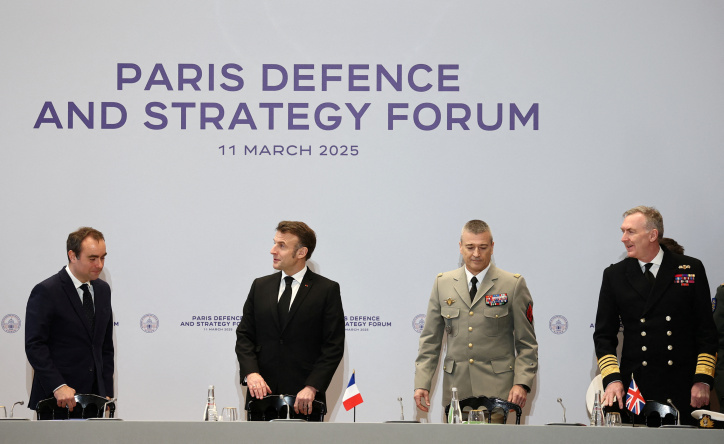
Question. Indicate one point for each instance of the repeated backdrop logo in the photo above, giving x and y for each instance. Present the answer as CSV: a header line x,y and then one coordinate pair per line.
x,y
558,324
364,322
209,323
149,323
418,323
11,323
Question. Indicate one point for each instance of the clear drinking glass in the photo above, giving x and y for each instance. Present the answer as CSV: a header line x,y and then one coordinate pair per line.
x,y
229,414
477,417
613,419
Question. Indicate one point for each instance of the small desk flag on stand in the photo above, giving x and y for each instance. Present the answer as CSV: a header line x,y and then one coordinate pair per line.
x,y
634,399
352,397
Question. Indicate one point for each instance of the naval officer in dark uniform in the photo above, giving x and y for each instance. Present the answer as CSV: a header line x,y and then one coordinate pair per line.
x,y
663,301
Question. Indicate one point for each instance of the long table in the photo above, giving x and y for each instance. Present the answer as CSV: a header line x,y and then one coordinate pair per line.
x,y
162,432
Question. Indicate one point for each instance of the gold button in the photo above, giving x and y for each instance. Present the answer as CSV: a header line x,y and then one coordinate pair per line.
x,y
471,313
470,328
668,333
444,368
448,316
470,345
496,316
471,361
643,333
668,318
643,320
511,367
671,362
671,347
644,363
643,348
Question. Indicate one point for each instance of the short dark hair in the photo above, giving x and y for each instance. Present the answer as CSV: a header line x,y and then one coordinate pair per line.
x,y
654,219
476,226
76,238
672,245
307,237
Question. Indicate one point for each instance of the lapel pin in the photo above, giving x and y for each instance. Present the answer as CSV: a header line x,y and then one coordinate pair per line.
x,y
450,301
684,267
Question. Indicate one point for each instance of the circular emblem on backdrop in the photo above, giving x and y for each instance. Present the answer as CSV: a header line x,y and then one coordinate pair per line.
x,y
418,323
149,323
11,323
558,324
713,305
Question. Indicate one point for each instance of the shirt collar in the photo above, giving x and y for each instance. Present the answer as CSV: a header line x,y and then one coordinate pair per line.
x,y
76,282
298,276
656,260
480,275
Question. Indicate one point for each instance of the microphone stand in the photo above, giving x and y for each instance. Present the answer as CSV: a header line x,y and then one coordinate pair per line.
x,y
13,407
560,401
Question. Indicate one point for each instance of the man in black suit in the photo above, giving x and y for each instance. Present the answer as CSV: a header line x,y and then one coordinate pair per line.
x,y
69,326
662,300
291,337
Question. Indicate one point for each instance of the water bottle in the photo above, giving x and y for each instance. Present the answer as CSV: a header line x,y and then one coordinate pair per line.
x,y
597,413
210,413
455,414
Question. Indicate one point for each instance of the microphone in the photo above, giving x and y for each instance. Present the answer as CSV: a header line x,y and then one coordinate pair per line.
x,y
402,409
676,422
13,407
560,401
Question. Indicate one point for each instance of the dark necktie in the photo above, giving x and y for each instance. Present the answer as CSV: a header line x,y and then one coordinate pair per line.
x,y
90,312
285,301
473,288
649,275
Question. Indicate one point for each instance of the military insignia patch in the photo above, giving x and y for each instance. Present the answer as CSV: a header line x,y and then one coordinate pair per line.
x,y
450,301
493,300
705,422
529,313
684,267
684,279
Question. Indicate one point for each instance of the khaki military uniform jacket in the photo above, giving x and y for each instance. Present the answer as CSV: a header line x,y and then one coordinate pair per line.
x,y
491,342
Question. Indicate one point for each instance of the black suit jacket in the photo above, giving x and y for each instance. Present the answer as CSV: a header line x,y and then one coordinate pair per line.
x,y
59,343
669,334
305,351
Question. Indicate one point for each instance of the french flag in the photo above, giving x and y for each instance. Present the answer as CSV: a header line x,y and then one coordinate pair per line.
x,y
352,397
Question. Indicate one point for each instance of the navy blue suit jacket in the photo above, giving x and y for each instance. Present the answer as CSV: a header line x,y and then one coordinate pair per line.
x,y
59,343
304,351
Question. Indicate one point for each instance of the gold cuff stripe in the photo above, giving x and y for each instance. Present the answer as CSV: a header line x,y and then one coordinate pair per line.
x,y
705,364
608,365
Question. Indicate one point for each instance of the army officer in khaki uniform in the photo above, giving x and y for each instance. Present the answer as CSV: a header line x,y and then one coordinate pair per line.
x,y
487,314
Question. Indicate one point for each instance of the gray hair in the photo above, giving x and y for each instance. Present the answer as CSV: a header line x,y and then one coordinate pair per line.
x,y
476,226
653,218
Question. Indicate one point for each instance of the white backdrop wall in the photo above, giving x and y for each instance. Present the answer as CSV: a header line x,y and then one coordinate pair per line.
x,y
625,109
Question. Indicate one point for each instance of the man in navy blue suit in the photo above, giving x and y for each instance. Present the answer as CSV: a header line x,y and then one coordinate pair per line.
x,y
291,337
69,326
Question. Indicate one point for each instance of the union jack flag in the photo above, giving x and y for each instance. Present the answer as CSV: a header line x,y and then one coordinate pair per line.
x,y
634,400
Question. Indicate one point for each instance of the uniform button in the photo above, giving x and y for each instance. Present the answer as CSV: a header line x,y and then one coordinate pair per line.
x,y
643,320
643,348
671,362
668,333
511,367
471,361
668,318
471,313
644,363
670,347
496,316
470,328
470,345
444,367
448,316
643,333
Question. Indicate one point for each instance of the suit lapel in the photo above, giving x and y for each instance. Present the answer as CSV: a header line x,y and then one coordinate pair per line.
x,y
461,286
271,295
301,295
488,281
72,294
664,278
637,279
